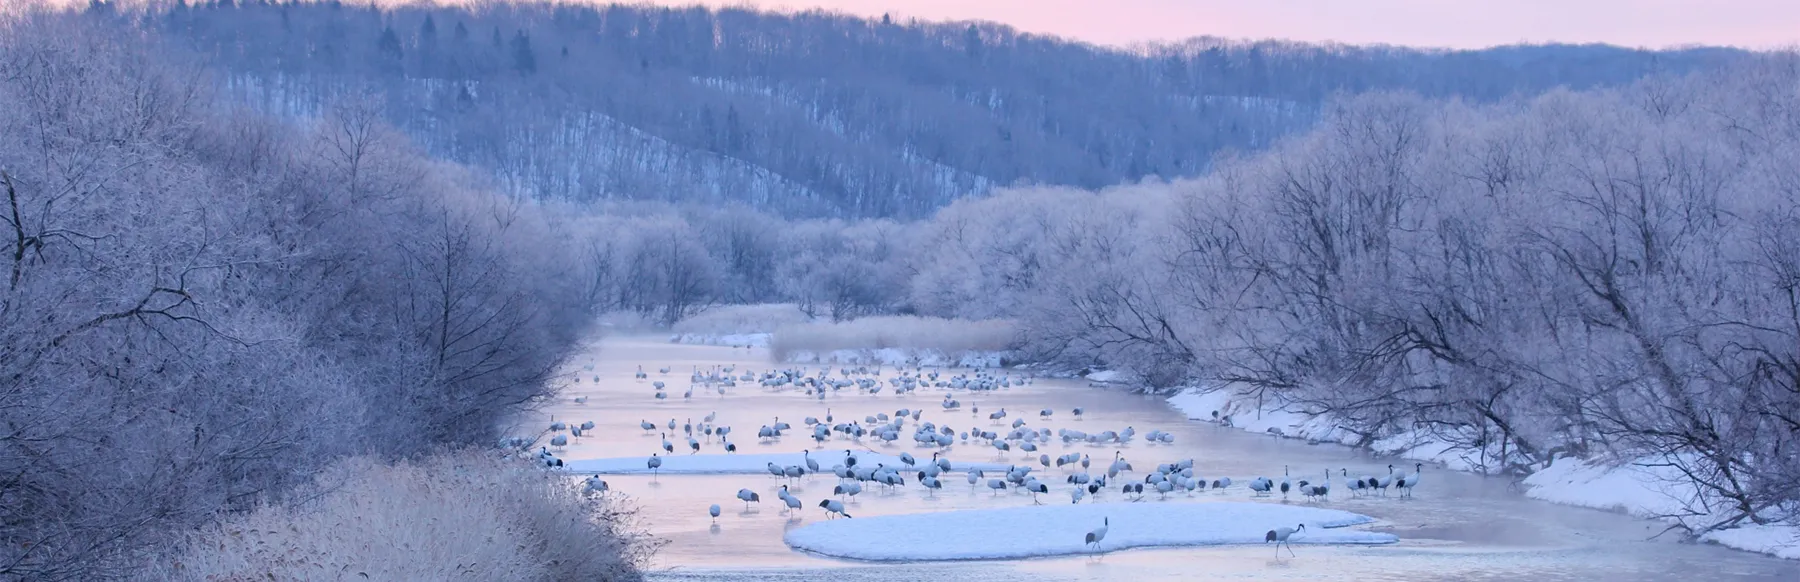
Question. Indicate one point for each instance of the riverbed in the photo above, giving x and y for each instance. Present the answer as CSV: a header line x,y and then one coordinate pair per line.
x,y
1456,526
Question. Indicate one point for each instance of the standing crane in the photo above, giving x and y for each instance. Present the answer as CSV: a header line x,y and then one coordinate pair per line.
x,y
1094,537
1281,535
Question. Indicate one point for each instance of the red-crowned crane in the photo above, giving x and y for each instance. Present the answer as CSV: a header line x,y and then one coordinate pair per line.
x,y
1281,535
1098,534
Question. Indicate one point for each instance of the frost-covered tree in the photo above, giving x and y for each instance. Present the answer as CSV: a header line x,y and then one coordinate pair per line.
x,y
203,306
1603,273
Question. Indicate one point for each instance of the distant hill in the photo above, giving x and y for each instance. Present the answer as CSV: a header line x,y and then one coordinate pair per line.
x,y
819,114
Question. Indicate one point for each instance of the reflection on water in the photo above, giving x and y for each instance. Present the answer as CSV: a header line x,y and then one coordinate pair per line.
x,y
1459,526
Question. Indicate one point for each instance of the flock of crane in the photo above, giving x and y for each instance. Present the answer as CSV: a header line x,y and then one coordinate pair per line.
x,y
723,378
1166,478
1078,469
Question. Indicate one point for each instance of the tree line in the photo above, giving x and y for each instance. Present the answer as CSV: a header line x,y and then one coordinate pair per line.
x,y
823,115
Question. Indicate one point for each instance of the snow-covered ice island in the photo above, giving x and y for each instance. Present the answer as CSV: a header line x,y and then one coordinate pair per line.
x,y
1061,529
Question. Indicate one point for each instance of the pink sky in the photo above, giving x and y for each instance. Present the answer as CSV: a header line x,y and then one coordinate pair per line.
x,y
1441,23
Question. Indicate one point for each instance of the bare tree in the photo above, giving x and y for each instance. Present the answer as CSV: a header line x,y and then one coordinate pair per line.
x,y
202,308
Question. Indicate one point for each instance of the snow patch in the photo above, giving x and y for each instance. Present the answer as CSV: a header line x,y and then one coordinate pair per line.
x,y
1271,416
1243,412
1110,376
1637,490
1054,530
1775,540
1422,446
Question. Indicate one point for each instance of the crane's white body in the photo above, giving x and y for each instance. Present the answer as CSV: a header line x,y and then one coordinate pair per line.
x,y
1099,534
1282,535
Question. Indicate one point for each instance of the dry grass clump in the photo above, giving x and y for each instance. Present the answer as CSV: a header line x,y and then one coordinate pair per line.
x,y
469,515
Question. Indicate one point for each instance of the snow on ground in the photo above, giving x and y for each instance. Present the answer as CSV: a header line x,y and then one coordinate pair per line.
x,y
1422,446
1632,488
1774,540
733,340
1060,529
1110,376
684,464
1645,489
1270,419
900,357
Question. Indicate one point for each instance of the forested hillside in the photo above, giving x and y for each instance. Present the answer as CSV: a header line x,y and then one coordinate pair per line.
x,y
820,114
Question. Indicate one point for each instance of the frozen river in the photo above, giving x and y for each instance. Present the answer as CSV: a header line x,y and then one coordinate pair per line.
x,y
1459,526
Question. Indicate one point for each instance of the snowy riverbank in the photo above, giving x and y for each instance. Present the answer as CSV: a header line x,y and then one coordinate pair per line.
x,y
1631,488
1059,529
1645,490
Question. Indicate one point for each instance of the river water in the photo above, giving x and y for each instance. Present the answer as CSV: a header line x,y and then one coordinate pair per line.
x,y
1457,527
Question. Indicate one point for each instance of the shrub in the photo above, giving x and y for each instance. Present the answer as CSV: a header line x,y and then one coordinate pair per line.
x,y
469,515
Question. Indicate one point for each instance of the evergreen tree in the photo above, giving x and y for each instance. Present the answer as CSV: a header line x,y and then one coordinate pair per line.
x,y
389,45
734,140
428,34
709,127
523,60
